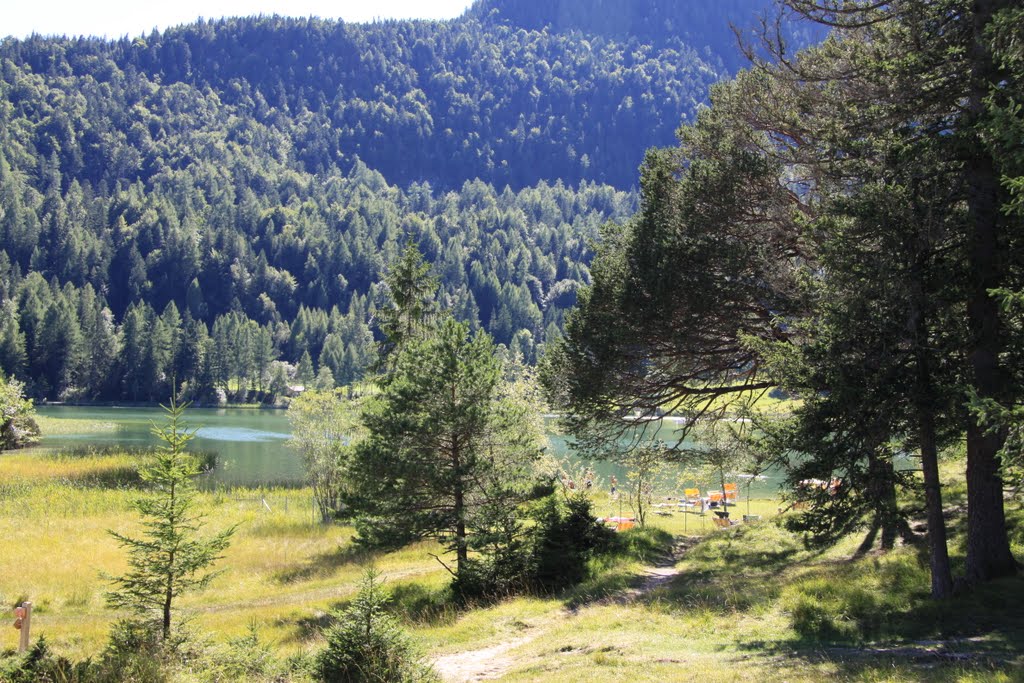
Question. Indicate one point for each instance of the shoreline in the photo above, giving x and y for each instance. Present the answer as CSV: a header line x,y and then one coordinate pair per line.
x,y
145,404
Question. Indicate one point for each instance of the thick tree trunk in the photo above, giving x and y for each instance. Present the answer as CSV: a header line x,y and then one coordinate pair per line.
x,y
988,548
938,551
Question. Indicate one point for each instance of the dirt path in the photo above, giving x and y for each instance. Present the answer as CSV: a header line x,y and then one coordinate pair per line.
x,y
493,662
480,665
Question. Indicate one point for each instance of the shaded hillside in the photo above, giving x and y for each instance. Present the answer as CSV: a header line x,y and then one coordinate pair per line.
x,y
705,26
417,101
236,187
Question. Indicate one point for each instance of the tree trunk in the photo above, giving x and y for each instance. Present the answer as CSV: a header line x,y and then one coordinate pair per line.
x,y
938,552
988,547
938,549
167,614
462,552
725,503
461,549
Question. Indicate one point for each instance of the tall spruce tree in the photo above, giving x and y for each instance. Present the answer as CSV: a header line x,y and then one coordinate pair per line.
x,y
933,73
411,289
170,558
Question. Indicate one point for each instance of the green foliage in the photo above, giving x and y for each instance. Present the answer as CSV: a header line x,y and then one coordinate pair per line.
x,y
119,197
566,537
411,290
450,451
326,431
845,228
246,657
17,416
40,665
657,22
367,645
170,558
134,652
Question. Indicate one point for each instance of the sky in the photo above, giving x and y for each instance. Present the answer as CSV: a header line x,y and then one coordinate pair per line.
x,y
117,18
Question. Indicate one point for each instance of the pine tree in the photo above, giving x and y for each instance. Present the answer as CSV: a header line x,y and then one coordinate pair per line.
x,y
324,379
450,446
170,558
368,644
12,342
411,289
304,374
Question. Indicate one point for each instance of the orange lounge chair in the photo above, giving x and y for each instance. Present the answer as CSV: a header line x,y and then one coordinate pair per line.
x,y
732,493
691,497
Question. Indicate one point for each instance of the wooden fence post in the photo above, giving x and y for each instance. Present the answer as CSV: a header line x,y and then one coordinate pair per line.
x,y
24,614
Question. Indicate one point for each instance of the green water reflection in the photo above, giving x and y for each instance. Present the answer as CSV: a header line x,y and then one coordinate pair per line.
x,y
252,446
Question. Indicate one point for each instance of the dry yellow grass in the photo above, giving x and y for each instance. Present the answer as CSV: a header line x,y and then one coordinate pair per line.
x,y
282,570
729,615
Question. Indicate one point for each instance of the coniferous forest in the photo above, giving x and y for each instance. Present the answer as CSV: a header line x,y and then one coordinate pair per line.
x,y
618,343
212,201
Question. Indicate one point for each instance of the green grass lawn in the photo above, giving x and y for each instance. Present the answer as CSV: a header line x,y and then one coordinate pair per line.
x,y
748,603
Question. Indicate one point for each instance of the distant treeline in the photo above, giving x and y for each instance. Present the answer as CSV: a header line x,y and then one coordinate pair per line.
x,y
111,297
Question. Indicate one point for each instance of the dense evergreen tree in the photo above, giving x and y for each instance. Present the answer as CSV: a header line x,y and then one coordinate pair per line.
x,y
858,242
449,452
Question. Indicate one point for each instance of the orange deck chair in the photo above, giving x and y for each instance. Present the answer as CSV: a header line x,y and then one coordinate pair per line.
x,y
691,496
732,493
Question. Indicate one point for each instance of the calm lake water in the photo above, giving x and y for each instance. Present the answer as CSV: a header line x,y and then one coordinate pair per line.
x,y
252,445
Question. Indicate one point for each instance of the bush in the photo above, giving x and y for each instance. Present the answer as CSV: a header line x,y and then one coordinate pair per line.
x,y
39,665
367,644
246,658
566,537
134,654
17,416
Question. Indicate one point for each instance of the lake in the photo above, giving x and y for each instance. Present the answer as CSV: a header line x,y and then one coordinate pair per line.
x,y
252,445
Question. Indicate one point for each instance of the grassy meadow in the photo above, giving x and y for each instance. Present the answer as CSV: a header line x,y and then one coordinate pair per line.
x,y
745,603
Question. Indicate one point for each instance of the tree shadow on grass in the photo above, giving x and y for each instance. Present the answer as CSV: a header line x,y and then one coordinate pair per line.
x,y
912,664
423,605
310,626
611,576
411,603
901,632
733,571
325,564
606,586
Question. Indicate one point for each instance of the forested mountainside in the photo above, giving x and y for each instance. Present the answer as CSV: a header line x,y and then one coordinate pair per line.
x,y
254,176
418,101
707,27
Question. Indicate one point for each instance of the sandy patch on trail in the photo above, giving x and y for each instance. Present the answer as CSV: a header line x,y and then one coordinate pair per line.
x,y
480,665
